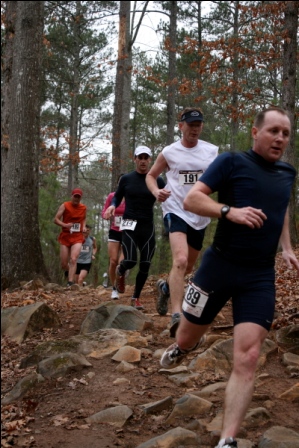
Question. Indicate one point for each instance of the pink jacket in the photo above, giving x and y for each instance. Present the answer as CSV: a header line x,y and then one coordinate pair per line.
x,y
119,211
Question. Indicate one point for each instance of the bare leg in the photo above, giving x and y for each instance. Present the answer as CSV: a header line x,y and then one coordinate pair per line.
x,y
248,338
82,276
192,258
64,257
113,253
75,252
188,334
179,249
182,260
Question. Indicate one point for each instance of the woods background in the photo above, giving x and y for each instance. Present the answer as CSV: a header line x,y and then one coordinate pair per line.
x,y
82,87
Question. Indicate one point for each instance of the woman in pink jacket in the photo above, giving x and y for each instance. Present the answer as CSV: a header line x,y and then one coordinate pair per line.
x,y
114,240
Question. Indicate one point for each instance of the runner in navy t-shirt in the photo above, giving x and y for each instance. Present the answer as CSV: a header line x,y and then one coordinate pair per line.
x,y
254,190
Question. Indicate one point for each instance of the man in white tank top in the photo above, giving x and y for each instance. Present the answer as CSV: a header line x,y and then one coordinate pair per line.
x,y
184,161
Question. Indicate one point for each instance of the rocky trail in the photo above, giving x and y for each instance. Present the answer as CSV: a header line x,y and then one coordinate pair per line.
x,y
145,406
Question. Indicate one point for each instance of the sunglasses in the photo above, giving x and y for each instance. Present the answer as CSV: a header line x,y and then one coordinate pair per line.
x,y
143,157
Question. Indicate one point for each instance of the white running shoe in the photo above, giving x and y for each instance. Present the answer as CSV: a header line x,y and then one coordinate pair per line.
x,y
227,443
114,295
174,356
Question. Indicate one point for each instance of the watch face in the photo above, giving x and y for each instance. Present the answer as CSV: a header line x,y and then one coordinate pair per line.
x,y
225,209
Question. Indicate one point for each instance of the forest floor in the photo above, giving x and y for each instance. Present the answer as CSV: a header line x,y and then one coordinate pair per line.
x,y
53,414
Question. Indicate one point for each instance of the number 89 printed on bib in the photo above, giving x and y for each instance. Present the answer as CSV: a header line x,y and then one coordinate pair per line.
x,y
195,300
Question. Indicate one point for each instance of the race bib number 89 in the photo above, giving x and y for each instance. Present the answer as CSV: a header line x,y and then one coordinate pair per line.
x,y
195,300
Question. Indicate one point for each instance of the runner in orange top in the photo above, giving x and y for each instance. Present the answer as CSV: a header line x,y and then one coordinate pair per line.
x,y
71,216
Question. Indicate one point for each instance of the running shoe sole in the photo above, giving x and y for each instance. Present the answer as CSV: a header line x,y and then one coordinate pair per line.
x,y
162,300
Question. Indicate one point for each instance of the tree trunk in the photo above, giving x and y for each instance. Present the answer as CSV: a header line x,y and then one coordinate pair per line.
x,y
171,118
73,139
289,94
21,253
73,142
236,75
120,140
122,104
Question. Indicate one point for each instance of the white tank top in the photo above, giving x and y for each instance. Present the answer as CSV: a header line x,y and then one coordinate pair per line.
x,y
185,167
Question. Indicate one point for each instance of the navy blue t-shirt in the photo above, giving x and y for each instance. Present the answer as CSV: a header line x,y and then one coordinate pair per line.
x,y
139,200
248,180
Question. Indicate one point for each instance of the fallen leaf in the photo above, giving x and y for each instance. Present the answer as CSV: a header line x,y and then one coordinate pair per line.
x,y
59,420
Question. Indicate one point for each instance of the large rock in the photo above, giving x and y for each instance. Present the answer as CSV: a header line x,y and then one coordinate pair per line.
x,y
178,437
22,322
257,417
279,437
96,345
128,354
47,349
60,365
22,387
110,315
106,342
116,416
219,357
291,394
288,338
189,405
157,406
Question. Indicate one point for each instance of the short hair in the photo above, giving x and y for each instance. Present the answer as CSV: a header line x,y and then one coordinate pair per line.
x,y
88,226
189,109
260,117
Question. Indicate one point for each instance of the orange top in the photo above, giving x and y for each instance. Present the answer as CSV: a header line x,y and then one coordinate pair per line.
x,y
75,214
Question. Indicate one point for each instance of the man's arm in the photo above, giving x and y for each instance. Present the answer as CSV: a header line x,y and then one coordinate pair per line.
x,y
106,205
115,201
84,224
110,211
58,216
285,242
198,201
151,179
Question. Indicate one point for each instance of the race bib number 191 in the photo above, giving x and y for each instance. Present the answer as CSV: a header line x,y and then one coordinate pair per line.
x,y
189,177
195,300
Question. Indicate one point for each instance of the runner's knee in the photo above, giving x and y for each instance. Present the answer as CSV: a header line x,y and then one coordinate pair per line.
x,y
73,260
128,264
144,267
180,262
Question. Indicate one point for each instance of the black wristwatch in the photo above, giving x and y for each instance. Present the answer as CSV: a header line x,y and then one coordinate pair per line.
x,y
224,211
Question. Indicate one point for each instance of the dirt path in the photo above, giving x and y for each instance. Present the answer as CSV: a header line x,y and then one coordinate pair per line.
x,y
53,415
